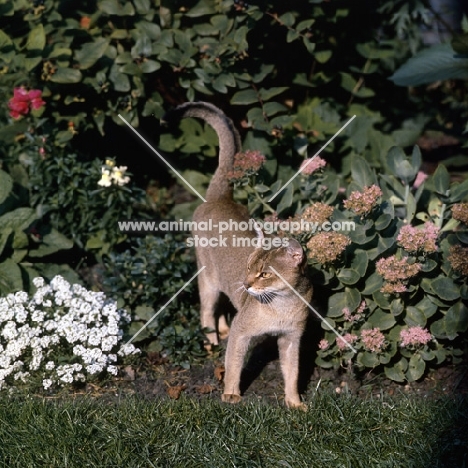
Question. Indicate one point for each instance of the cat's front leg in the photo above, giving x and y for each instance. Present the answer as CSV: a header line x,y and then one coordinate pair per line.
x,y
235,354
289,360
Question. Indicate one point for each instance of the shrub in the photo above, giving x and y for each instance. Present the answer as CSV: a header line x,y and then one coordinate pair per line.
x,y
397,292
60,335
145,278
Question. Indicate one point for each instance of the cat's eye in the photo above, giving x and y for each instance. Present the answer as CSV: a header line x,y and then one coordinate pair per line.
x,y
265,274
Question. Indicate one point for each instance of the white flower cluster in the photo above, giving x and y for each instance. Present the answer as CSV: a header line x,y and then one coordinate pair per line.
x,y
61,334
113,175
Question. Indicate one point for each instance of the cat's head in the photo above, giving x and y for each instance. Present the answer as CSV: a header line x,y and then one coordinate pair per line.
x,y
270,271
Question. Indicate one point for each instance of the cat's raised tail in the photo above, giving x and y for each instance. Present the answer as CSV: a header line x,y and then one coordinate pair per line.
x,y
229,144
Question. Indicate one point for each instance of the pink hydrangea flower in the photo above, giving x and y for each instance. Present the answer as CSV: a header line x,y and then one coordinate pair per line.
x,y
324,344
414,336
349,338
23,101
415,239
396,270
311,165
350,317
373,339
246,163
420,178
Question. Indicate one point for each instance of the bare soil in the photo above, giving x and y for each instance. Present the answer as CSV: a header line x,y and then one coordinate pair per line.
x,y
261,379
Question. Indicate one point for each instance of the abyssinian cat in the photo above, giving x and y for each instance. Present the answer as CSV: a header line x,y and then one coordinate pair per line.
x,y
247,275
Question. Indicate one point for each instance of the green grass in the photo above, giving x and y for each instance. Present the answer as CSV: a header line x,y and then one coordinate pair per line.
x,y
337,431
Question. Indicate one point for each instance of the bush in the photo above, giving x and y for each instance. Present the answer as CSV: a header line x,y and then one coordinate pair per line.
x,y
60,335
145,277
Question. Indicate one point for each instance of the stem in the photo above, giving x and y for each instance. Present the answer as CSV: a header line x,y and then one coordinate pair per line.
x,y
264,204
441,217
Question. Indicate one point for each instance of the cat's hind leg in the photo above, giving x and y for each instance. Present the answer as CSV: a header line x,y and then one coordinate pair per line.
x,y
209,295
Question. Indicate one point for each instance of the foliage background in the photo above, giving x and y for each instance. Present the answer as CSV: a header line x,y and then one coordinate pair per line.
x,y
289,75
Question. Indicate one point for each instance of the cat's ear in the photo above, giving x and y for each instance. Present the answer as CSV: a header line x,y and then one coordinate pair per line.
x,y
295,252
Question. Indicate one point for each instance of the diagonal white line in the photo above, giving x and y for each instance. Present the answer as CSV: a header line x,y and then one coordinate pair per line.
x,y
161,158
309,161
164,306
314,311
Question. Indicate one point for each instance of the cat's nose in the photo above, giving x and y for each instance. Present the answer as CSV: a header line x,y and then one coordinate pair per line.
x,y
247,285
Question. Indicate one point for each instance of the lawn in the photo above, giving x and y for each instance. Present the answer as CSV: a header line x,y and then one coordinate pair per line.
x,y
337,431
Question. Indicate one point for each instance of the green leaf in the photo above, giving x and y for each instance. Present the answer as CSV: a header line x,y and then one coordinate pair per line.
x,y
18,219
382,300
6,184
397,307
145,313
373,284
113,7
415,317
66,75
245,97
267,94
381,319
36,39
10,277
456,320
437,63
286,199
416,368
348,276
310,46
383,221
150,66
445,288
360,262
91,52
397,371
441,179
34,46
350,298
427,307
368,359
402,167
51,242
120,80
362,173
202,8
458,192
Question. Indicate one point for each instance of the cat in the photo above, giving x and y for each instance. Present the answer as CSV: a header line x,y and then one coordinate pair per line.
x,y
265,304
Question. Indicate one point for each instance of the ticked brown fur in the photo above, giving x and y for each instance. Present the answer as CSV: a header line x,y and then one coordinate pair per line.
x,y
265,304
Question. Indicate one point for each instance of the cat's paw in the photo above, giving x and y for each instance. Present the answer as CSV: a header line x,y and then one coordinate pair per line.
x,y
295,404
230,398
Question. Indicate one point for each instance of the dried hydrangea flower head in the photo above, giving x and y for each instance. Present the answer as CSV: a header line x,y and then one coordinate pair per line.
x,y
326,247
458,259
460,212
363,202
317,213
